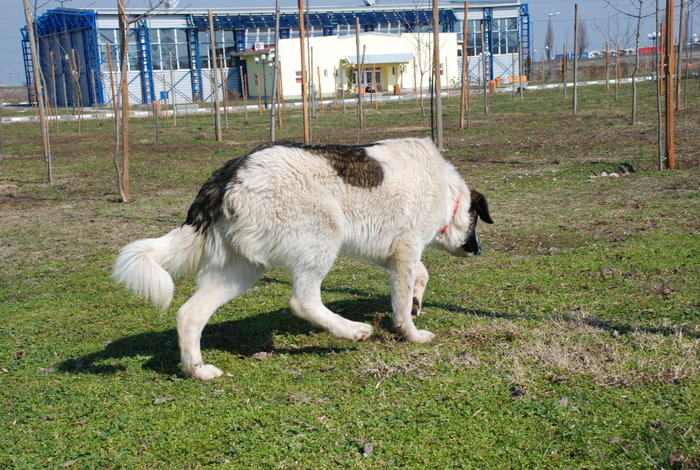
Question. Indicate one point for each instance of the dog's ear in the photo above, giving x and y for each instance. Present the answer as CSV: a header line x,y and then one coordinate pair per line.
x,y
481,207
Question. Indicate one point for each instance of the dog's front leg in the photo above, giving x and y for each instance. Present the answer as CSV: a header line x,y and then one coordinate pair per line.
x,y
404,269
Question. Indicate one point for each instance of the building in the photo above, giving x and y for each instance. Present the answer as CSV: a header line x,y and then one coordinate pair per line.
x,y
169,51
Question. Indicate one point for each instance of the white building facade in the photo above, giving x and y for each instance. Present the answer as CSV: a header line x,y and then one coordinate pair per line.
x,y
169,53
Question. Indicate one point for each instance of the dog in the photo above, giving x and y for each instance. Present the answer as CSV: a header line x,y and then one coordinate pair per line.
x,y
299,207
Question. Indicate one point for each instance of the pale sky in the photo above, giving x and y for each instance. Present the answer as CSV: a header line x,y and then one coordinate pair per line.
x,y
603,23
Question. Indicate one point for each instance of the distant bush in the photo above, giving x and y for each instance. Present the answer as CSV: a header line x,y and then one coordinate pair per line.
x,y
13,94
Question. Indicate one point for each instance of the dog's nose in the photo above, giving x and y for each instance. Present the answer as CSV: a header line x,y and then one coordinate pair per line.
x,y
473,245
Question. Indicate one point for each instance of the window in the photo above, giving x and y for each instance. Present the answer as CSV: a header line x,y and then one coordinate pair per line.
x,y
109,36
504,36
166,45
474,38
226,44
169,46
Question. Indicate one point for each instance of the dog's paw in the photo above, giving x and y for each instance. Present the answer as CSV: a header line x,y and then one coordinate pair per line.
x,y
421,336
359,332
205,372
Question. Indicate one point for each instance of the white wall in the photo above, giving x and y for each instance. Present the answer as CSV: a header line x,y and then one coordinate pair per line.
x,y
329,51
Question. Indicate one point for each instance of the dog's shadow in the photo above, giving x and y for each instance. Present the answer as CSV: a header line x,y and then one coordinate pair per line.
x,y
243,338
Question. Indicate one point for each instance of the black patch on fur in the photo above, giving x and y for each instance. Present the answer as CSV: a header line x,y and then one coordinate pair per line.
x,y
472,245
206,207
480,207
350,162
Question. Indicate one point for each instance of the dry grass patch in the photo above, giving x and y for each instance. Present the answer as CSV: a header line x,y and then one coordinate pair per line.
x,y
564,348
556,350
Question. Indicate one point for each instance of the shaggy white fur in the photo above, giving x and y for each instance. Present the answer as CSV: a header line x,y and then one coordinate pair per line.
x,y
298,208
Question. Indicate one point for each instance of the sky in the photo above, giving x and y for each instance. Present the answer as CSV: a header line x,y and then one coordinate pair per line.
x,y
603,23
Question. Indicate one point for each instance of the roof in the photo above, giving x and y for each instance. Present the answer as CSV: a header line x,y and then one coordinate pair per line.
x,y
328,18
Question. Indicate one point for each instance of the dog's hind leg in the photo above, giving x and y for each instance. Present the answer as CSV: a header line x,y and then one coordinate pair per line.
x,y
306,303
419,289
405,271
217,285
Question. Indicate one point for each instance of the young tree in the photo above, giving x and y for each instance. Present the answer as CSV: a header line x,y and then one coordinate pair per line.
x,y
549,40
121,119
420,36
636,11
39,91
583,39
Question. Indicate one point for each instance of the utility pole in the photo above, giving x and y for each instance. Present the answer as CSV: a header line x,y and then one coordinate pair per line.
x,y
40,92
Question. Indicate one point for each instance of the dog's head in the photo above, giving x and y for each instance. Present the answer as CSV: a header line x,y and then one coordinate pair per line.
x,y
479,210
460,237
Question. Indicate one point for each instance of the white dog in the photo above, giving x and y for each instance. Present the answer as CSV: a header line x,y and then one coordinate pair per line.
x,y
298,208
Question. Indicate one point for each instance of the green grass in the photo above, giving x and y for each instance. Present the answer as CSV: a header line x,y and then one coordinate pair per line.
x,y
573,342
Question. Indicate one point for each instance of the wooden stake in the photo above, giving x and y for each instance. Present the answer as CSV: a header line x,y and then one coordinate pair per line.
x,y
244,80
483,64
670,154
521,69
335,86
320,93
575,57
40,95
447,81
172,88
257,83
94,96
607,67
564,67
78,91
224,89
662,56
215,85
512,69
275,76
53,87
618,72
360,73
376,88
465,67
304,91
283,109
126,113
679,56
165,97
415,82
437,85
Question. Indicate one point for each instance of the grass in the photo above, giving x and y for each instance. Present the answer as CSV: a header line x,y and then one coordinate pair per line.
x,y
573,342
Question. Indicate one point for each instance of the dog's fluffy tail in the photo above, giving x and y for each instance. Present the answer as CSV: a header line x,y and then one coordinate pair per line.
x,y
148,266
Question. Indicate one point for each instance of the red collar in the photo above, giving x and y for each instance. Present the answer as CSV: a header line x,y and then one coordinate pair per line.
x,y
454,212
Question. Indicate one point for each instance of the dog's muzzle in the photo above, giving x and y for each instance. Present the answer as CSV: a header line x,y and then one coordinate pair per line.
x,y
472,247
